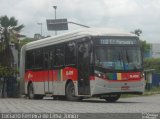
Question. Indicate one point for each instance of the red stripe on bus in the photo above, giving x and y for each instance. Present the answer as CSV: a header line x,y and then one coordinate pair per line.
x,y
52,75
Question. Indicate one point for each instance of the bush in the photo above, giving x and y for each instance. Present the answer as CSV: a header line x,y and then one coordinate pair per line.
x,y
6,71
152,63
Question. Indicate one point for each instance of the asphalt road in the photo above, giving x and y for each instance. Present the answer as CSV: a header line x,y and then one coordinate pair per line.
x,y
124,105
145,104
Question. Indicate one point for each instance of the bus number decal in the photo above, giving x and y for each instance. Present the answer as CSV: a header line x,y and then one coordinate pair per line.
x,y
134,76
69,73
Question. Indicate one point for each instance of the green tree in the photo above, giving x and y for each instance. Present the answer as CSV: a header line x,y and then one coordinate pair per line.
x,y
8,38
152,63
25,41
145,46
137,32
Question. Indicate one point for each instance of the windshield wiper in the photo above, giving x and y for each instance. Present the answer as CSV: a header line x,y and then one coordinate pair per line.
x,y
127,56
122,59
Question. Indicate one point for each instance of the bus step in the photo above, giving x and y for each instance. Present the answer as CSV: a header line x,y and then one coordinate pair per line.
x,y
49,94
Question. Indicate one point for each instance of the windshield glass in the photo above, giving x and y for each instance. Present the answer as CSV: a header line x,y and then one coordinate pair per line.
x,y
118,58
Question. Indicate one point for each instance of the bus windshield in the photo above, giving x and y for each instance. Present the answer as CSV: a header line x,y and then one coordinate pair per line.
x,y
118,58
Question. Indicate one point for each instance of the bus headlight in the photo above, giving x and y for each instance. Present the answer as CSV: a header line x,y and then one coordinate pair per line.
x,y
101,75
142,74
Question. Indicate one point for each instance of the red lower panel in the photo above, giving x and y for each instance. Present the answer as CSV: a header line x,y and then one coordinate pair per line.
x,y
52,75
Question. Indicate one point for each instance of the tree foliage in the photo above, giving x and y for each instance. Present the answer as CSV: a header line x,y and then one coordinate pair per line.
x,y
8,38
137,32
6,71
145,46
25,41
12,30
152,63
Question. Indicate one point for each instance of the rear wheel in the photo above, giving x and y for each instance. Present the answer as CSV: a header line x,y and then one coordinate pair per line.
x,y
70,92
112,97
38,96
31,93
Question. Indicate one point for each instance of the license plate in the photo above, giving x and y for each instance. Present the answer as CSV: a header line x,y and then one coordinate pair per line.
x,y
125,88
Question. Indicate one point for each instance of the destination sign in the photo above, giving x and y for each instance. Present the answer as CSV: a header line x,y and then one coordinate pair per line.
x,y
118,41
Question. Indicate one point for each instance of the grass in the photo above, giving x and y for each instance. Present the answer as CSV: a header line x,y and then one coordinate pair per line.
x,y
153,91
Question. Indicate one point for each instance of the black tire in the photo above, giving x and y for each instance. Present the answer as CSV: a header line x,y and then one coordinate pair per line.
x,y
31,93
59,97
38,96
112,97
70,92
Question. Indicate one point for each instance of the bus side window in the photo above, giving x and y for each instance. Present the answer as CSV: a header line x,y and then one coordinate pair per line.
x,y
46,58
29,60
38,59
70,53
52,59
59,56
84,50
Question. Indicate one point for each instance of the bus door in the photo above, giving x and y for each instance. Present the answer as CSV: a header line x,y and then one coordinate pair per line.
x,y
83,64
48,79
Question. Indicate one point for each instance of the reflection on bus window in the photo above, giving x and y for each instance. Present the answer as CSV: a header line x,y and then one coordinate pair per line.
x,y
84,50
70,53
59,56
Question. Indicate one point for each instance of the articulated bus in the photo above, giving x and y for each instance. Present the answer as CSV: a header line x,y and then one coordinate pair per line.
x,y
91,62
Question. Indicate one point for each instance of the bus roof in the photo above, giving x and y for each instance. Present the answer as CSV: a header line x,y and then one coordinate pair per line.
x,y
75,35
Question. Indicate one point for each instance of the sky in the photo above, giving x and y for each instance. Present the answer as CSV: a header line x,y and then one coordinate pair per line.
x,y
120,14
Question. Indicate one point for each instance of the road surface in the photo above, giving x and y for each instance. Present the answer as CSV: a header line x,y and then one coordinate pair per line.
x,y
144,104
124,105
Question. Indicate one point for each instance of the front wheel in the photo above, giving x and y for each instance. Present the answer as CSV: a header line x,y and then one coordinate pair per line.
x,y
70,92
112,97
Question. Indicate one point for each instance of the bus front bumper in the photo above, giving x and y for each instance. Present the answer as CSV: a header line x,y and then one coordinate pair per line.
x,y
100,87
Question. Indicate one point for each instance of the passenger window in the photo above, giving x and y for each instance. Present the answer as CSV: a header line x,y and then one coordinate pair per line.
x,y
52,57
38,59
70,57
59,56
46,59
29,60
